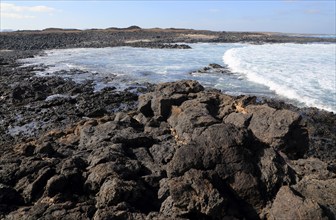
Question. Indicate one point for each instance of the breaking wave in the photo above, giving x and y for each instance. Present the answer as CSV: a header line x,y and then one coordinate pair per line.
x,y
305,73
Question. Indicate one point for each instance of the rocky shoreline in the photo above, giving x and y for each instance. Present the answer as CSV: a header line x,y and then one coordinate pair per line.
x,y
176,151
136,37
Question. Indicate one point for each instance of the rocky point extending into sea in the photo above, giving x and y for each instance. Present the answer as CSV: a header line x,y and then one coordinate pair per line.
x,y
174,150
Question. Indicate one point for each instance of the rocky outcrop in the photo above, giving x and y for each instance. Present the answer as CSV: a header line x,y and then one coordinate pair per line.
x,y
213,68
185,152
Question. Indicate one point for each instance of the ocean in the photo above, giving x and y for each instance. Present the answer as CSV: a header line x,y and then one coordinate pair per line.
x,y
301,74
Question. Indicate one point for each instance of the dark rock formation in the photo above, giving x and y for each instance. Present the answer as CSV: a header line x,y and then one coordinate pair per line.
x,y
213,68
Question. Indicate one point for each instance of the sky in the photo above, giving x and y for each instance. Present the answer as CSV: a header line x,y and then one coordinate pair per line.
x,y
289,16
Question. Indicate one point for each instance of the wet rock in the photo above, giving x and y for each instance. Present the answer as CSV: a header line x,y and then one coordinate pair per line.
x,y
215,65
213,68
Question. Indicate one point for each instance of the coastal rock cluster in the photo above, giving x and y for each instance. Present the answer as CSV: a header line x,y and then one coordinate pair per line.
x,y
178,151
213,68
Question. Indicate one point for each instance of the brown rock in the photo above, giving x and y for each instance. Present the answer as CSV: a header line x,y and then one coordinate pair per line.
x,y
289,205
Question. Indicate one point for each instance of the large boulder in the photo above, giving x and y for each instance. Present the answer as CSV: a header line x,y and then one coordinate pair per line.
x,y
191,115
279,129
165,96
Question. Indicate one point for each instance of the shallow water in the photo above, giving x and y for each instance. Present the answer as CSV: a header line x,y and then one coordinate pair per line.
x,y
302,73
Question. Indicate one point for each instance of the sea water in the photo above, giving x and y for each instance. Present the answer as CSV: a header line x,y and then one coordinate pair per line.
x,y
303,74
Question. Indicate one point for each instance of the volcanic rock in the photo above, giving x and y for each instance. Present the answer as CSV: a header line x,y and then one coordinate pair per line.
x,y
185,152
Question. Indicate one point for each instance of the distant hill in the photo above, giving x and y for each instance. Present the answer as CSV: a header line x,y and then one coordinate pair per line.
x,y
6,30
60,29
133,27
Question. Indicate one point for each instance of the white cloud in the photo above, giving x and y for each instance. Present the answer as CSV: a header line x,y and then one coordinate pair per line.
x,y
13,11
7,7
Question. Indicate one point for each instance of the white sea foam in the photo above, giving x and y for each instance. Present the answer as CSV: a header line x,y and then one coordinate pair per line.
x,y
301,72
305,73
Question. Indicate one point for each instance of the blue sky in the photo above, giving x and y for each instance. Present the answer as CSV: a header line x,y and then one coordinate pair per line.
x,y
291,16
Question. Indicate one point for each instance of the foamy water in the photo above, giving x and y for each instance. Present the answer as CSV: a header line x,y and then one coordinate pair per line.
x,y
301,73
305,73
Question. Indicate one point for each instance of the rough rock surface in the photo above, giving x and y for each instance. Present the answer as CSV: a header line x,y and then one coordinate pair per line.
x,y
180,152
289,205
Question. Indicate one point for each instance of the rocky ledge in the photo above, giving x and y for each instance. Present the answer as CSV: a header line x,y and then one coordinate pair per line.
x,y
184,153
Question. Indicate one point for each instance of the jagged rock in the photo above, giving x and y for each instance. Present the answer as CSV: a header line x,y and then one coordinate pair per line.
x,y
185,153
238,119
162,153
44,149
34,189
98,174
119,212
215,65
289,205
179,87
56,184
213,68
145,103
122,167
221,148
115,191
279,128
192,195
166,95
274,171
47,209
105,154
190,115
312,168
317,183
